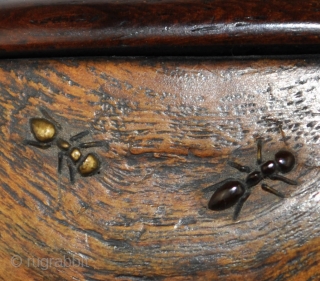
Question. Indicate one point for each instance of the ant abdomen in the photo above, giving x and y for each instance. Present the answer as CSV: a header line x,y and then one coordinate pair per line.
x,y
90,165
226,196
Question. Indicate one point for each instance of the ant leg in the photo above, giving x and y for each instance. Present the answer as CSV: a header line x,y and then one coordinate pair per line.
x,y
239,205
282,178
94,144
259,149
239,167
71,171
37,144
217,185
60,158
79,135
267,188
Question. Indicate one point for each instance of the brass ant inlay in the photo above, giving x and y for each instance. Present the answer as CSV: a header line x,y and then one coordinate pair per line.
x,y
89,165
42,129
45,132
75,154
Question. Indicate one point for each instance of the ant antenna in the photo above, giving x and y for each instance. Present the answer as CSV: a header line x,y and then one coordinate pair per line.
x,y
279,124
49,117
282,133
259,149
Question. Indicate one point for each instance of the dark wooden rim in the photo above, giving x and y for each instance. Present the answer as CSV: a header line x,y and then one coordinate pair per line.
x,y
221,27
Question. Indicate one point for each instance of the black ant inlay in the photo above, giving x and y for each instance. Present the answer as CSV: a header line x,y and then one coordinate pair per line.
x,y
231,191
45,132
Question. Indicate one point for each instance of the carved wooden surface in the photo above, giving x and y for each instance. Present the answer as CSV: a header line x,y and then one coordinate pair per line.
x,y
172,125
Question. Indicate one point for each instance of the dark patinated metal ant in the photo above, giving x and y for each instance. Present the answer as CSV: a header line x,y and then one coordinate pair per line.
x,y
45,132
231,191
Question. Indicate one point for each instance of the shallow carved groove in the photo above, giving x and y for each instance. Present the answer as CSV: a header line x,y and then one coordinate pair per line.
x,y
172,126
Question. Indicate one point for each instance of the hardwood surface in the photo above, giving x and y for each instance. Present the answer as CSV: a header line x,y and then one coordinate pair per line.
x,y
165,27
172,124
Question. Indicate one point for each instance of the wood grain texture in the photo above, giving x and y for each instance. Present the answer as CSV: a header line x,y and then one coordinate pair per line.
x,y
174,27
172,125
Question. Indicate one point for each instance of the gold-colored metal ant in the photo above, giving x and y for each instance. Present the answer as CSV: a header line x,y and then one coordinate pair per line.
x,y
45,131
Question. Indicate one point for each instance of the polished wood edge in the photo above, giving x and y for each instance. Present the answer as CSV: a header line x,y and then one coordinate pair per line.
x,y
198,28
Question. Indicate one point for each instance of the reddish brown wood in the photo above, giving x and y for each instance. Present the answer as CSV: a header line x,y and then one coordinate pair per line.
x,y
199,27
172,125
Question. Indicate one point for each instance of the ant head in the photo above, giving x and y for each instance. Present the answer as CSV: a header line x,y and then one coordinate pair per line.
x,y
285,161
42,129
